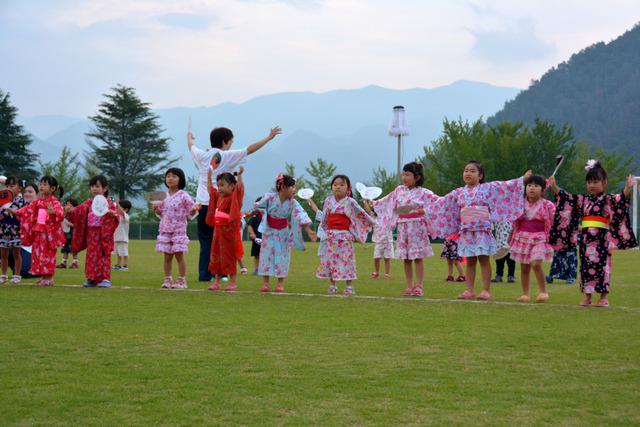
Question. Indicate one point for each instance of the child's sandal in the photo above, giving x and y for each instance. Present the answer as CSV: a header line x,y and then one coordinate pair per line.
x,y
375,275
461,278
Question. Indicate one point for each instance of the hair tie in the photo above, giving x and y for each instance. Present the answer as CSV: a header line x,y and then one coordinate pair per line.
x,y
590,164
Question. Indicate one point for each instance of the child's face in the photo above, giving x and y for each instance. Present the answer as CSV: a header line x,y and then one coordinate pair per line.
x,y
45,189
30,194
14,188
408,179
596,187
172,180
339,188
471,174
534,191
225,188
288,192
98,189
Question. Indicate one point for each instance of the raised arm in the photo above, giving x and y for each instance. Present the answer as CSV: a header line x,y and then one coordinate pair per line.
x,y
258,145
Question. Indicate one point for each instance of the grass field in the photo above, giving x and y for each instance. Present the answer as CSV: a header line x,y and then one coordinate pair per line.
x,y
138,355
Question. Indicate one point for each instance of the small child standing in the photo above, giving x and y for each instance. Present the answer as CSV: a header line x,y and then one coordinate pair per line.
x,y
450,253
382,239
122,237
529,238
255,236
10,231
345,222
67,227
95,234
225,215
172,240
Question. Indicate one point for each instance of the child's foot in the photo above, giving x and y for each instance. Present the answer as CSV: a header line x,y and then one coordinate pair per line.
x,y
348,290
45,282
408,291
461,278
387,276
511,279
603,302
265,288
116,267
375,275
418,291
214,287
280,289
167,283
497,279
244,270
180,283
484,296
523,298
74,264
333,289
467,295
542,297
124,268
89,284
15,280
548,279
3,279
585,302
449,278
62,265
104,284
231,287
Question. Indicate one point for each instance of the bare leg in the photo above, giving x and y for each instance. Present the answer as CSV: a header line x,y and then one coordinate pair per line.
x,y
419,272
387,266
4,253
450,267
182,266
17,257
168,258
408,273
485,269
376,265
459,267
525,272
536,266
471,272
265,280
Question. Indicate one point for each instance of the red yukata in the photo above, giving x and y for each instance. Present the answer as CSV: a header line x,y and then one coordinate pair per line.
x,y
44,238
225,215
96,235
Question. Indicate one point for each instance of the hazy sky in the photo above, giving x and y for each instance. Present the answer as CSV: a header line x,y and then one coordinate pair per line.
x,y
59,56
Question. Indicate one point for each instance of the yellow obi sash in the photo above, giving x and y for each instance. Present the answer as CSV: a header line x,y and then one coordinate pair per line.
x,y
595,222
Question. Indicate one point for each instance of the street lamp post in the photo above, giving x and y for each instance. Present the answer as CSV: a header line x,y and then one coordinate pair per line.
x,y
399,127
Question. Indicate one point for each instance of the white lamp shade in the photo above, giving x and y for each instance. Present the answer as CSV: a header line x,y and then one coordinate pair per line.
x,y
399,124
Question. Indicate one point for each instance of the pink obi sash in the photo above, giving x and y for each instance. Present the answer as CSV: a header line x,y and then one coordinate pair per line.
x,y
532,225
221,218
410,216
277,223
338,221
471,214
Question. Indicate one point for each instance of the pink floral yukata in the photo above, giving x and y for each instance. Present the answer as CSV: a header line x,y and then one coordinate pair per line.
x,y
531,231
174,213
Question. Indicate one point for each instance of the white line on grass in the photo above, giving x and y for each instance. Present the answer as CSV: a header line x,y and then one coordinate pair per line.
x,y
363,297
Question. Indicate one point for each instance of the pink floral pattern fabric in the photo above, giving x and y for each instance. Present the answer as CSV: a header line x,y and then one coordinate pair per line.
x,y
527,246
337,257
174,214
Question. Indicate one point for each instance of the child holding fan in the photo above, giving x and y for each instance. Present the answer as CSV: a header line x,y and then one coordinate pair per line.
x,y
225,215
95,234
282,219
10,231
602,220
383,243
470,211
406,207
345,221
529,237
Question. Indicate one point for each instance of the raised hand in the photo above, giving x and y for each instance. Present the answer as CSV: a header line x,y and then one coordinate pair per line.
x,y
527,174
275,131
553,185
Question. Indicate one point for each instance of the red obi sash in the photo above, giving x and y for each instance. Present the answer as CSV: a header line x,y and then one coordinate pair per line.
x,y
532,225
277,223
338,221
411,215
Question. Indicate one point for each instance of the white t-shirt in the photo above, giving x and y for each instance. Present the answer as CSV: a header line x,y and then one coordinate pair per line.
x,y
122,232
229,161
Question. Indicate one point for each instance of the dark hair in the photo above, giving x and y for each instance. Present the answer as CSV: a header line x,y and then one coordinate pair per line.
x,y
11,180
102,180
479,166
346,179
596,173
182,181
284,181
227,177
220,136
536,179
73,202
125,204
48,179
417,170
32,185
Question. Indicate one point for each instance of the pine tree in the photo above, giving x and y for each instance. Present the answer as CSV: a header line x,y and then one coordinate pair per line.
x,y
67,171
15,156
131,151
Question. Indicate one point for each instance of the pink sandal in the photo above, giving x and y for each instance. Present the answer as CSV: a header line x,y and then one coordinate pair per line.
x,y
418,291
375,275
214,287
542,297
265,288
467,295
280,289
585,302
484,296
387,276
408,291
602,303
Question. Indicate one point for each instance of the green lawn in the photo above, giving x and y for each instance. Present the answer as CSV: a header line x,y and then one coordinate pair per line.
x,y
136,354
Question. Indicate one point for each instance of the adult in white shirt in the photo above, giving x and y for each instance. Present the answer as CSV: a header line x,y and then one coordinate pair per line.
x,y
221,158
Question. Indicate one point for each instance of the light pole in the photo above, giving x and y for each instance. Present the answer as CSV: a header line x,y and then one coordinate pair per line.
x,y
399,127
